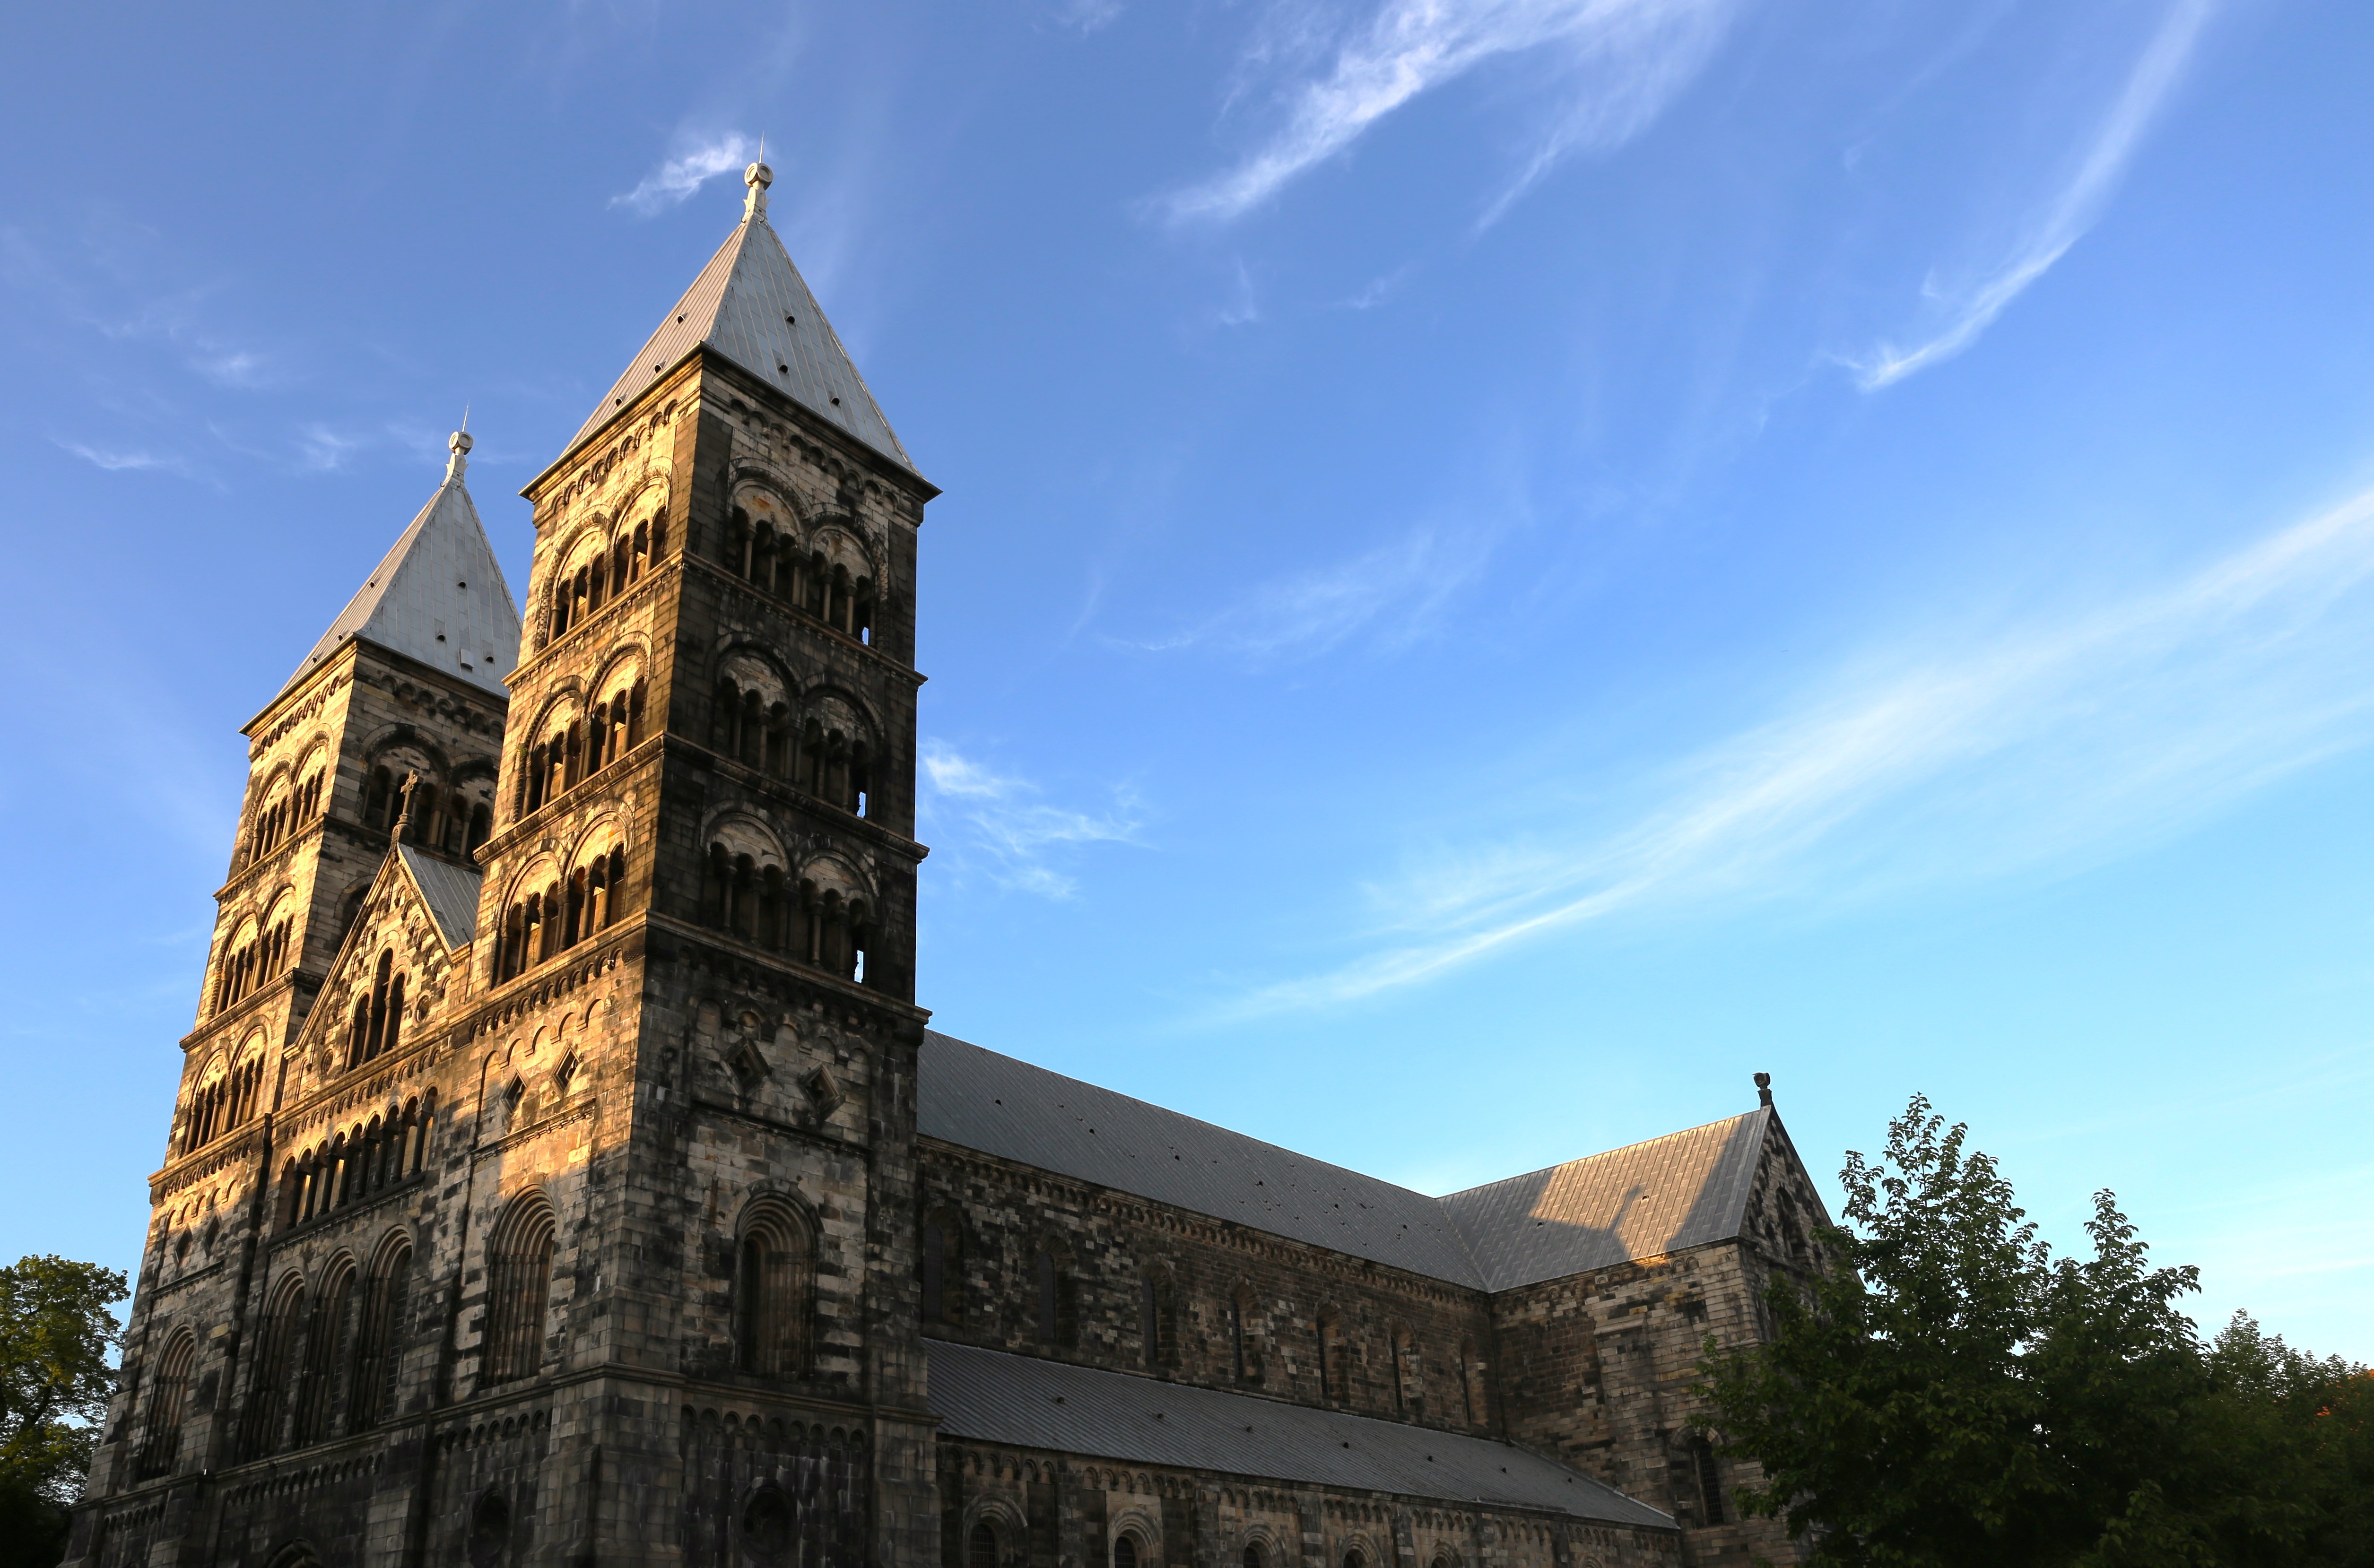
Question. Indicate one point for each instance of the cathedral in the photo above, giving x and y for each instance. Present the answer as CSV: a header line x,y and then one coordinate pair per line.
x,y
562,1171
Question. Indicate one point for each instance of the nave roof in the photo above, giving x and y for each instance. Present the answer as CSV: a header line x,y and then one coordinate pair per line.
x,y
1644,1200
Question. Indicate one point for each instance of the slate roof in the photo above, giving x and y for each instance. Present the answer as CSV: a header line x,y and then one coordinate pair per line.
x,y
437,596
751,305
1681,1190
983,1100
997,1398
450,891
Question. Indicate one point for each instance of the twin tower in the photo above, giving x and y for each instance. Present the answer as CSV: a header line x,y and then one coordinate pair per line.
x,y
557,1045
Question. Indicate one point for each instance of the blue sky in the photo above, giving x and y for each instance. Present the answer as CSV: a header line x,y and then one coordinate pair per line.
x,y
1507,564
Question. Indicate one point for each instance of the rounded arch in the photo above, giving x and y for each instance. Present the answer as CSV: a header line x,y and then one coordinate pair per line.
x,y
769,1523
535,917
489,1539
775,1243
751,713
943,1247
744,881
268,1402
520,1250
382,1331
168,1404
299,1553
832,917
839,744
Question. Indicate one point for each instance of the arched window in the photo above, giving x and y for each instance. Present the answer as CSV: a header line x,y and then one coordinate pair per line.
x,y
1239,1359
1354,1559
943,1266
1406,1378
1149,1323
325,1347
1334,1376
1124,1550
490,1531
267,1395
168,1392
1051,1283
1708,1476
380,797
981,1551
768,1525
776,1269
519,1286
833,931
1253,1557
835,756
377,1026
378,1350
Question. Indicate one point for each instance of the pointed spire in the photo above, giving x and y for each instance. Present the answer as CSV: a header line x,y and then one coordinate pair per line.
x,y
751,306
439,595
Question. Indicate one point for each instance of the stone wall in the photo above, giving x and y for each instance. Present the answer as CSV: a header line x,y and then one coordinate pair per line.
x,y
1059,1511
1210,1277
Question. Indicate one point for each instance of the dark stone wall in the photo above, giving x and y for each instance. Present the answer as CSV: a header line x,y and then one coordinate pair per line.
x,y
1209,1277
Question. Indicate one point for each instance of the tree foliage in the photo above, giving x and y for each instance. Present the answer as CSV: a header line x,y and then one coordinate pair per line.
x,y
56,1338
1952,1393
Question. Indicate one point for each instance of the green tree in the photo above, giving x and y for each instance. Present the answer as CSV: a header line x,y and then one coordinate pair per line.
x,y
56,1337
1951,1393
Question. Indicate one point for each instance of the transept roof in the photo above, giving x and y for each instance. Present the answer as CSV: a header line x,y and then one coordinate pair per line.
x,y
750,305
1681,1190
437,596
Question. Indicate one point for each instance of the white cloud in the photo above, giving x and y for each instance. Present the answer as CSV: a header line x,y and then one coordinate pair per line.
x,y
115,461
1010,832
678,178
2060,222
1396,589
1621,62
2050,744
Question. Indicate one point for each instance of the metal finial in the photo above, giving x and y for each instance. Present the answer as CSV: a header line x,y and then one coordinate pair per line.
x,y
1764,1088
757,177
460,445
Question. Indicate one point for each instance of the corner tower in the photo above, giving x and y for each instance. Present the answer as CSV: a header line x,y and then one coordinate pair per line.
x,y
701,891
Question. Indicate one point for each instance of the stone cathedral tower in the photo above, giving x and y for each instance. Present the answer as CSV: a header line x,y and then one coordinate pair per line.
x,y
562,1172
557,1054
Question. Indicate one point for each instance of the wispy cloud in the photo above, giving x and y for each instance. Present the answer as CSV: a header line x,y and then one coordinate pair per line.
x,y
1379,290
1619,63
1087,16
1009,830
115,461
2050,744
678,178
2060,222
1393,591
